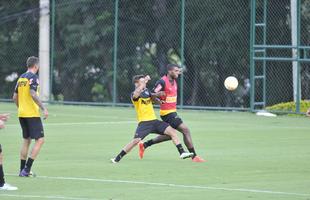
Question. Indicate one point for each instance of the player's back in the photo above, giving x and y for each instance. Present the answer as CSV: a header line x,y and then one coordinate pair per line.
x,y
144,106
26,105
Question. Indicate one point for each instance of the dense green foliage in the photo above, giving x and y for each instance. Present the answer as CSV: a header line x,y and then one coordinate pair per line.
x,y
290,106
216,45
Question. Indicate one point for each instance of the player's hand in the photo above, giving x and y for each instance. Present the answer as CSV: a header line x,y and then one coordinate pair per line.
x,y
45,113
161,93
4,117
308,112
147,78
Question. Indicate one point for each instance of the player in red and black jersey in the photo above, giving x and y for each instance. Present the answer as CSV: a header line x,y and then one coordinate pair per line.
x,y
168,112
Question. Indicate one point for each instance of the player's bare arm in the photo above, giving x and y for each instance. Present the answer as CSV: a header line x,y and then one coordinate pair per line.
x,y
4,117
15,98
37,100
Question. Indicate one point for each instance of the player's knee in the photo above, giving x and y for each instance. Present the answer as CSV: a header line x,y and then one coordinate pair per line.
x,y
171,132
40,141
185,130
136,141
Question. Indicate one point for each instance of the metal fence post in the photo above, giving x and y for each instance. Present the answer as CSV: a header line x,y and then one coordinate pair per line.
x,y
115,51
52,48
252,54
298,95
182,51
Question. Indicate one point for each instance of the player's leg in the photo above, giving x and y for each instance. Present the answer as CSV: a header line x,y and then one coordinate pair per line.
x,y
189,142
37,133
163,127
1,169
126,150
25,144
143,129
3,185
24,153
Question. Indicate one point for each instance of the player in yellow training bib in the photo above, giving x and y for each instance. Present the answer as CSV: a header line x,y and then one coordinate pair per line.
x,y
26,98
142,100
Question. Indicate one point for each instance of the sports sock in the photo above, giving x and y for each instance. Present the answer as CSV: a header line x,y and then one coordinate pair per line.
x,y
1,176
192,150
180,148
22,164
148,143
120,156
29,164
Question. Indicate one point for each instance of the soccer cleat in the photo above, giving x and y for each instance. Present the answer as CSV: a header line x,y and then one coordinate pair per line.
x,y
141,150
113,160
198,159
186,155
8,187
24,173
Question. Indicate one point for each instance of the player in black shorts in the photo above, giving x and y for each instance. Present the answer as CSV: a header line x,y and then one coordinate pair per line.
x,y
148,123
168,112
26,98
3,185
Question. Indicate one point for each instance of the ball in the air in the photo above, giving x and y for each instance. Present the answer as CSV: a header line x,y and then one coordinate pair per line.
x,y
231,83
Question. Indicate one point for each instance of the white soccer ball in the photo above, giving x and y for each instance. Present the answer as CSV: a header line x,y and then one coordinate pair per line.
x,y
231,83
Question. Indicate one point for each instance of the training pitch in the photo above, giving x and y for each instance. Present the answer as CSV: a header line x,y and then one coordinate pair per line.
x,y
248,157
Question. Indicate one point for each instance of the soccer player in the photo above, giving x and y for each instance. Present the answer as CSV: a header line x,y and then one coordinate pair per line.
x,y
308,112
28,103
3,185
168,112
148,123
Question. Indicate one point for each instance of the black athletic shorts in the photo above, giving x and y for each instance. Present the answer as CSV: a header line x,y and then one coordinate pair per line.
x,y
0,149
32,127
172,119
153,126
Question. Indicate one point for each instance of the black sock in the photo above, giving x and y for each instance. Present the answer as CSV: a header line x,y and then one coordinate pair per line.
x,y
120,156
1,176
180,148
22,164
192,150
29,164
148,143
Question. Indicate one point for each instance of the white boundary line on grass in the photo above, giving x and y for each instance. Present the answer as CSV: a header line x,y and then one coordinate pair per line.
x,y
43,197
82,123
174,185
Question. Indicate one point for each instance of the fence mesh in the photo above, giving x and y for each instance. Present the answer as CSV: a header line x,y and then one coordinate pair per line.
x,y
149,36
18,39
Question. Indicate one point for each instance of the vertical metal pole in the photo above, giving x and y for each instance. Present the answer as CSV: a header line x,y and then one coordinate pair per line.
x,y
115,51
44,48
182,51
252,54
52,54
298,95
264,53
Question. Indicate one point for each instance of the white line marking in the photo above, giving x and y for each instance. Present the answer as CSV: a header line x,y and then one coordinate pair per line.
x,y
82,123
45,197
173,185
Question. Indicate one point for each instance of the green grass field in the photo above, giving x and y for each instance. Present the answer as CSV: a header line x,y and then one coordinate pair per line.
x,y
249,157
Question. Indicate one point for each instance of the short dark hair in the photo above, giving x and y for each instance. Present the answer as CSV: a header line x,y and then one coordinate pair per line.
x,y
31,61
171,66
137,78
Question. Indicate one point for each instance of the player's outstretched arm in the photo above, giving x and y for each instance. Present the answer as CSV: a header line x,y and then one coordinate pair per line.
x,y
3,119
308,112
37,100
141,87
